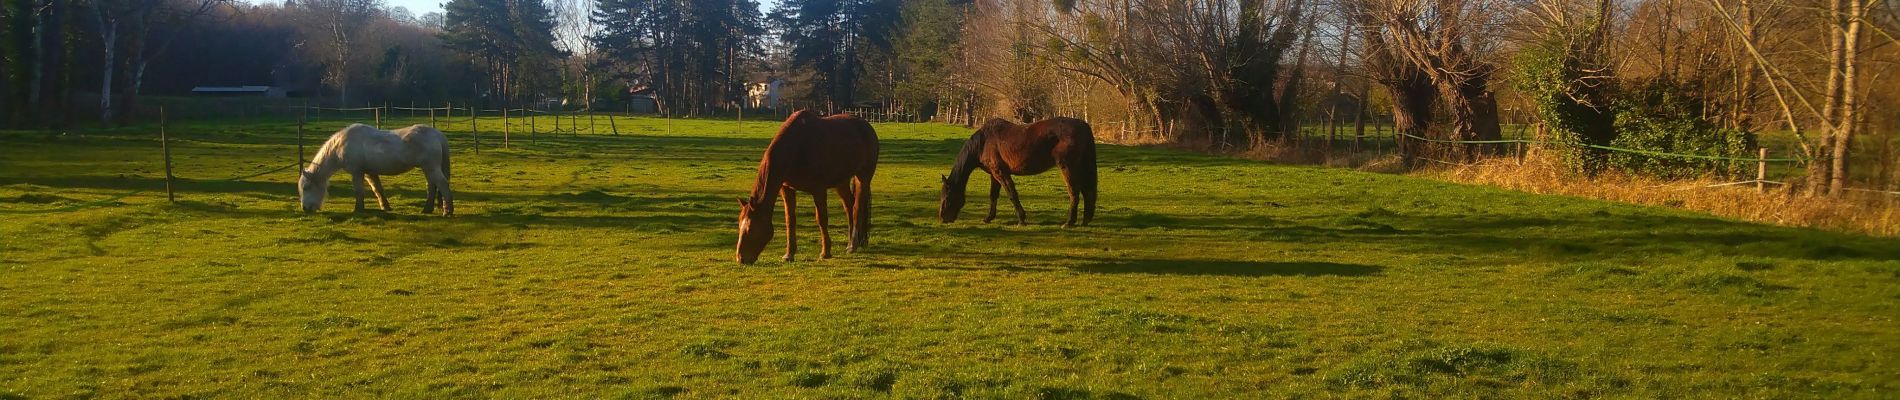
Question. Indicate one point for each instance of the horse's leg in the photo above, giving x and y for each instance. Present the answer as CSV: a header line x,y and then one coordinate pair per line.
x,y
861,213
849,200
824,234
1009,185
356,179
439,185
376,188
434,195
1075,199
995,189
791,221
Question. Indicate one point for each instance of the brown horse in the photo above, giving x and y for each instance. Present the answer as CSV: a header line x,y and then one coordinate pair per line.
x,y
811,154
1004,149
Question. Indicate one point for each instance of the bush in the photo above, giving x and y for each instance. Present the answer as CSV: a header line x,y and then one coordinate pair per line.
x,y
1668,117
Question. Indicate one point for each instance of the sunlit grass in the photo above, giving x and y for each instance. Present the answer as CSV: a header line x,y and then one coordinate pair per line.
x,y
602,266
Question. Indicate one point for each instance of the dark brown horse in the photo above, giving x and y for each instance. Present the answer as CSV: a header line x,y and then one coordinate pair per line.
x,y
811,154
1005,149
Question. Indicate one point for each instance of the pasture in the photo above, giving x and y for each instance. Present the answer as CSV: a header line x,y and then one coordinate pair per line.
x,y
597,266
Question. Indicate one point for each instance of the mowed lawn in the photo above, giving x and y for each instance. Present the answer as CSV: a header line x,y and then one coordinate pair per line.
x,y
600,266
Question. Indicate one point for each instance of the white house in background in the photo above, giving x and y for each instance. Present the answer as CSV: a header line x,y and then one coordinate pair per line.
x,y
763,94
240,91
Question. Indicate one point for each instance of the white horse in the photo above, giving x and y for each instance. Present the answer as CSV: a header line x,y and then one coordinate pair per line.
x,y
367,152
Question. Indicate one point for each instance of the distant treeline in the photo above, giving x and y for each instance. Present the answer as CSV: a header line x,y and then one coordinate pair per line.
x,y
1669,76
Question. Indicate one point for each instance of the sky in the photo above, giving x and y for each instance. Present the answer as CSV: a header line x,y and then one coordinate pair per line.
x,y
416,7
419,7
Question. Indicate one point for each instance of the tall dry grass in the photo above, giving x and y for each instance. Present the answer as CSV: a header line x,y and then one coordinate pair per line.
x,y
1859,212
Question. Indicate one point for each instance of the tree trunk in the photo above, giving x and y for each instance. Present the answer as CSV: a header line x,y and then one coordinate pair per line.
x,y
109,33
1849,116
36,79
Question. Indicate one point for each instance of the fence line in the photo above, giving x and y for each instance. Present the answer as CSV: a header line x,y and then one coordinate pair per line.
x,y
1610,148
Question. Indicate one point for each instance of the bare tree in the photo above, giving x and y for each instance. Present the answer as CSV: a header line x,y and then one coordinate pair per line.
x,y
338,26
1410,90
1452,43
1838,116
573,25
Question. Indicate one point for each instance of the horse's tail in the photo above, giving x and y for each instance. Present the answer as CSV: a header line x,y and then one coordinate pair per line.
x,y
445,156
1086,175
861,226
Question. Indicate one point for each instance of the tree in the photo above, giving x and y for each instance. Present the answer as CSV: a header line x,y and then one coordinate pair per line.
x,y
1838,116
338,27
16,57
155,30
689,52
1566,71
926,52
831,38
1450,42
512,40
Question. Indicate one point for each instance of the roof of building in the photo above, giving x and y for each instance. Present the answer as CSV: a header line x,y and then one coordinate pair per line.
x,y
231,89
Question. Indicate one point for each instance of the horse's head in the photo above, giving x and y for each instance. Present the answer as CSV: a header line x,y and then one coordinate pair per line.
x,y
755,228
311,189
950,200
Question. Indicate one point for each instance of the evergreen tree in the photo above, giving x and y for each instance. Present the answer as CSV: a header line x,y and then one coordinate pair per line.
x,y
533,26
831,38
925,50
16,24
689,52
517,55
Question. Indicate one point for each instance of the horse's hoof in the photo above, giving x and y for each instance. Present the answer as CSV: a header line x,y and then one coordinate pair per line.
x,y
1067,226
824,256
788,258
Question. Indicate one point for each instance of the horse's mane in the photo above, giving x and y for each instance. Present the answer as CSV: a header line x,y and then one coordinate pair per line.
x,y
334,144
971,156
761,190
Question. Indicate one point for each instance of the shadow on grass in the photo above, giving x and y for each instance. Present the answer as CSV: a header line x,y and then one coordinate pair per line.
x,y
1228,268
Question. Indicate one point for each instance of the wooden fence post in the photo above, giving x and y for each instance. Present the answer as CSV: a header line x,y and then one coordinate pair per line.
x,y
590,121
1761,170
504,127
165,143
472,128
613,125
1520,153
378,113
531,128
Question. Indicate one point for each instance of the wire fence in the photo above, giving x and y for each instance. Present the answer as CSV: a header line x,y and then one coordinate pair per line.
x,y
537,123
1761,172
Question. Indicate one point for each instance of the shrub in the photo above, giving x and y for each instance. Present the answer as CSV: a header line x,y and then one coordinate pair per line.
x,y
1667,117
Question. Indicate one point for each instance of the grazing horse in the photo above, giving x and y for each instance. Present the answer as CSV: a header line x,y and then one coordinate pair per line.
x,y
811,154
1004,149
368,153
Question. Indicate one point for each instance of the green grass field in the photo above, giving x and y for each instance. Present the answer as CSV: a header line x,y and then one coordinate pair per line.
x,y
597,266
